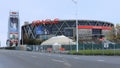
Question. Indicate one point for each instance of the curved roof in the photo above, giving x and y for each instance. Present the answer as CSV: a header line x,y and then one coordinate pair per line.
x,y
61,40
105,23
90,22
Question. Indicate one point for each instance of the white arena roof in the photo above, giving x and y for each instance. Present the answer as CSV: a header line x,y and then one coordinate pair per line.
x,y
61,40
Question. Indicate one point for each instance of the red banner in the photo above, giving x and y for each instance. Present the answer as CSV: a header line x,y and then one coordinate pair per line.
x,y
95,27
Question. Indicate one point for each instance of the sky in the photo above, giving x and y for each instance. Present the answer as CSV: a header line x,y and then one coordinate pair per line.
x,y
29,10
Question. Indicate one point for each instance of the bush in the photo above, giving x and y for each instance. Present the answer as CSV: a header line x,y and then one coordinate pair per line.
x,y
95,52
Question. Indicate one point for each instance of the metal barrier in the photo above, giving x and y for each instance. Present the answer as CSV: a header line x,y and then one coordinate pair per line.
x,y
83,48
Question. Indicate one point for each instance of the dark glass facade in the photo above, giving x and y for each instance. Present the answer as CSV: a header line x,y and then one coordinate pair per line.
x,y
63,27
96,31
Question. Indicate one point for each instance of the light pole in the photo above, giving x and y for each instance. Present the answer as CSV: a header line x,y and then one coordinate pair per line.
x,y
76,13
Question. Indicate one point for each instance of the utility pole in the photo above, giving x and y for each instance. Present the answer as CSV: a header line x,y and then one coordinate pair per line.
x,y
76,14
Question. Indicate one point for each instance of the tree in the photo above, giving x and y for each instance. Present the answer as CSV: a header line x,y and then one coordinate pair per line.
x,y
118,32
111,34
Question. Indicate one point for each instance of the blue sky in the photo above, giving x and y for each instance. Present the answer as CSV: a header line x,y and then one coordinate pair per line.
x,y
29,10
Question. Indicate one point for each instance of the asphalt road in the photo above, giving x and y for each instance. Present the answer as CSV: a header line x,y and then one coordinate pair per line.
x,y
24,59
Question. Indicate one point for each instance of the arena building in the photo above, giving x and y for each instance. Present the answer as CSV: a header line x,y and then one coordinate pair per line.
x,y
45,29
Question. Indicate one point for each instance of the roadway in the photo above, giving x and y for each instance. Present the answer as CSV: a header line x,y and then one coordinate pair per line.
x,y
25,59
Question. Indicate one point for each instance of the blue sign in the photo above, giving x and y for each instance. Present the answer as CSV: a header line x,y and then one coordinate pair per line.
x,y
39,30
13,25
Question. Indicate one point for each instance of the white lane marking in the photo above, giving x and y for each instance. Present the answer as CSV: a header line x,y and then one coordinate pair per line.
x,y
60,56
76,58
49,54
41,54
57,60
100,60
67,64
34,56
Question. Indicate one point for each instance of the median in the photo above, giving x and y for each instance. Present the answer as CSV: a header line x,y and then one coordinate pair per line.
x,y
95,52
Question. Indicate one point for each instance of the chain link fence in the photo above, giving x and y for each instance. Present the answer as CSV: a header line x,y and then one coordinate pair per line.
x,y
84,49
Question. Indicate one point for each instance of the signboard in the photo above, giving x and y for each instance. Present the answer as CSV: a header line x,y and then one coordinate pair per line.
x,y
47,21
41,30
13,29
13,36
95,27
13,24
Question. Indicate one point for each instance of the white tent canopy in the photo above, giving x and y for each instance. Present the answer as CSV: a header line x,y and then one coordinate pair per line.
x,y
59,40
56,44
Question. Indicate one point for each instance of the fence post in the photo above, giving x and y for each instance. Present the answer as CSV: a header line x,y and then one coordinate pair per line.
x,y
92,49
114,49
103,48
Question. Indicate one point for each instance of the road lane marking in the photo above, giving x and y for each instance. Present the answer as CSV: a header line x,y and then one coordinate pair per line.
x,y
40,54
57,60
22,54
34,56
76,58
100,60
49,54
60,56
67,64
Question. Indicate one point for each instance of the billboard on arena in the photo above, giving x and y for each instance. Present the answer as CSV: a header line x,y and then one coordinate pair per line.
x,y
41,30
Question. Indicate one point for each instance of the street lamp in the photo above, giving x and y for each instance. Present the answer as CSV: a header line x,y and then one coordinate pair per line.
x,y
76,13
